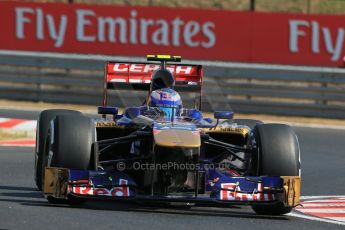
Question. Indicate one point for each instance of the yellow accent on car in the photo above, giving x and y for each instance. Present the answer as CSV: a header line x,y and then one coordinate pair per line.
x,y
55,182
106,124
292,190
163,57
231,130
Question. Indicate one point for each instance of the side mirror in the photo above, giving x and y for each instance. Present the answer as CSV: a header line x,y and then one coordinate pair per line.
x,y
195,114
108,110
132,112
223,115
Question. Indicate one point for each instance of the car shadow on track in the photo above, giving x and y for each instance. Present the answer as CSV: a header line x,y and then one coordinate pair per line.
x,y
220,211
20,192
230,211
21,195
32,197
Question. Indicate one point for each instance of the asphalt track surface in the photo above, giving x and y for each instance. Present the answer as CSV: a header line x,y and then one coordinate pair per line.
x,y
23,207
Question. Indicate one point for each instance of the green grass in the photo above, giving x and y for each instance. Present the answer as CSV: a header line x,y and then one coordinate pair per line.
x,y
293,6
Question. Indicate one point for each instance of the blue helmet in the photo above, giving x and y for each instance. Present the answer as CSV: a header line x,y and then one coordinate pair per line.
x,y
168,101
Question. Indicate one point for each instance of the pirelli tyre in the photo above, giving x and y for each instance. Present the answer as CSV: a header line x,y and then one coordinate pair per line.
x,y
71,142
279,155
71,145
43,123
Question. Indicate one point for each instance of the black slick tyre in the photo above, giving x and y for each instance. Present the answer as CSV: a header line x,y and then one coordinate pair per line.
x,y
279,155
43,122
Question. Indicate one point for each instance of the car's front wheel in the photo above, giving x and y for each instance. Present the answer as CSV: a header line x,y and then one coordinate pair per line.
x,y
43,123
70,145
279,155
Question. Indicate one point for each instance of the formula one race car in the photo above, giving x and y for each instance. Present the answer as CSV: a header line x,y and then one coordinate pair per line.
x,y
162,152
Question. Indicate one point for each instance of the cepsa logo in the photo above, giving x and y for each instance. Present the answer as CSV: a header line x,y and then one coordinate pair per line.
x,y
132,29
149,68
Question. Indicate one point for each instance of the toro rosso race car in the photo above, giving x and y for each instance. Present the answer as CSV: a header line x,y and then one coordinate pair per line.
x,y
162,152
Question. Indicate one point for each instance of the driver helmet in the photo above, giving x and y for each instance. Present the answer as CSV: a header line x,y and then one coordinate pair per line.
x,y
167,101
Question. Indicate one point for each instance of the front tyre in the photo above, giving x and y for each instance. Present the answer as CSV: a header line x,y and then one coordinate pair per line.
x,y
71,146
72,140
279,155
43,123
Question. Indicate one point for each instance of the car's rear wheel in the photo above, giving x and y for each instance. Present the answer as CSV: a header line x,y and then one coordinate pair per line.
x,y
70,145
279,155
43,123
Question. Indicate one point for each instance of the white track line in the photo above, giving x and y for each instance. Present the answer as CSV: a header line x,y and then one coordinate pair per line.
x,y
305,205
296,214
339,218
317,210
305,198
316,199
29,125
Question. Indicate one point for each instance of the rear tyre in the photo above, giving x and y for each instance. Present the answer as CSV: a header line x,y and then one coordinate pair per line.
x,y
43,123
71,146
279,155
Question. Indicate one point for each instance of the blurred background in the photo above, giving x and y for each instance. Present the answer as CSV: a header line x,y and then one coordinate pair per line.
x,y
293,6
281,64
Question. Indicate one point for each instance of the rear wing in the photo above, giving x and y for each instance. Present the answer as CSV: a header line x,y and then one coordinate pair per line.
x,y
137,76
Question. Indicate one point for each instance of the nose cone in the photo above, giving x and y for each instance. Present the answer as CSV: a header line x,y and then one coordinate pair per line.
x,y
177,138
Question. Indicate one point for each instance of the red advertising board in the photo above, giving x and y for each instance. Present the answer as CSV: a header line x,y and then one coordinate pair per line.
x,y
192,33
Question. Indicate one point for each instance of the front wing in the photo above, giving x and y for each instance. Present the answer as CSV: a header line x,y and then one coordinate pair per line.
x,y
62,183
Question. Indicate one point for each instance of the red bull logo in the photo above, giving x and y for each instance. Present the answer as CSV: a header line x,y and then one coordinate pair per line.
x,y
121,191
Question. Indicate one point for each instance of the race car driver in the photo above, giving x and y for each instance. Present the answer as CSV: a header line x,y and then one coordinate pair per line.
x,y
167,101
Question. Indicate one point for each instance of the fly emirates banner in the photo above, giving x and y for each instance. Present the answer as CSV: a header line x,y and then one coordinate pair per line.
x,y
198,34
